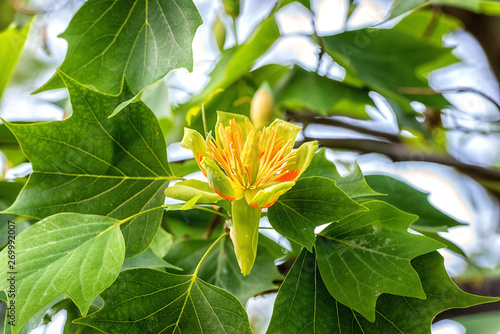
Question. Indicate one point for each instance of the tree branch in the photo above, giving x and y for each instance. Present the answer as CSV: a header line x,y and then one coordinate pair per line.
x,y
399,152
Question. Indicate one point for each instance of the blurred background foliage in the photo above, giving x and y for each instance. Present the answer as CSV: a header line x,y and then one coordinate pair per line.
x,y
407,88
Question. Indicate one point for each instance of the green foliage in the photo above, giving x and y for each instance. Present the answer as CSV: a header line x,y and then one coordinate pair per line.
x,y
304,90
152,302
221,268
123,159
95,238
136,41
304,292
88,248
312,202
369,253
11,41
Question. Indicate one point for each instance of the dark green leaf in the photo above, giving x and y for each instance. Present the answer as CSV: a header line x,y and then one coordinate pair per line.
x,y
353,184
90,163
409,199
399,74
369,253
303,304
304,90
65,254
147,259
233,65
12,41
149,301
137,41
221,267
312,202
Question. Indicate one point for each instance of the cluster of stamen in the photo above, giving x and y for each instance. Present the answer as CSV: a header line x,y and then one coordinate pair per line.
x,y
274,155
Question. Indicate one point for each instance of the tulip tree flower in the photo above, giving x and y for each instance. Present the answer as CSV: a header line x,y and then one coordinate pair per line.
x,y
251,169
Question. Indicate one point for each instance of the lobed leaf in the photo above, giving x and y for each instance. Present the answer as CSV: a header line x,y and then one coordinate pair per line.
x,y
93,164
369,253
65,254
312,202
303,304
110,41
150,301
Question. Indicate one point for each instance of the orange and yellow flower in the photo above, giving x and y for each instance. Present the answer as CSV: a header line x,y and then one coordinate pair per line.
x,y
251,169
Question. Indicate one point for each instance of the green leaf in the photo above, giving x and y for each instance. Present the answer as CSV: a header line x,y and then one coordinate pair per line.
x,y
162,243
137,41
484,323
399,75
369,253
150,301
409,199
303,304
147,259
65,254
12,41
304,90
221,267
353,184
488,7
187,167
234,63
92,164
312,202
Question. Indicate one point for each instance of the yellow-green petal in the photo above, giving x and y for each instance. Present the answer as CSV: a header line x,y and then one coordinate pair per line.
x,y
267,195
251,155
301,161
188,189
219,182
193,141
245,233
287,131
225,118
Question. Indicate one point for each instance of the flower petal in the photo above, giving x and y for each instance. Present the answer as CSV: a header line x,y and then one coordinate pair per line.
x,y
267,195
225,118
188,189
193,141
300,162
219,182
245,234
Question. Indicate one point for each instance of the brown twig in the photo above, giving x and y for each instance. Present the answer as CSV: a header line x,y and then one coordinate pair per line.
x,y
399,152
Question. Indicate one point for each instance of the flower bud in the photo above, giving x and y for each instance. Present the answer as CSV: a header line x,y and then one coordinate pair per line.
x,y
262,106
232,7
219,32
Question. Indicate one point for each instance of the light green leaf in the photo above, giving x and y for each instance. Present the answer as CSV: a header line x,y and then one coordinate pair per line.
x,y
147,259
484,322
12,41
221,267
369,253
65,254
162,242
353,184
303,90
137,41
149,301
188,189
303,304
113,167
488,7
407,198
312,202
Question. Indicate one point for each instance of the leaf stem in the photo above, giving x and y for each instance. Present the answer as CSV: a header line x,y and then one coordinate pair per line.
x,y
141,213
212,211
222,236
